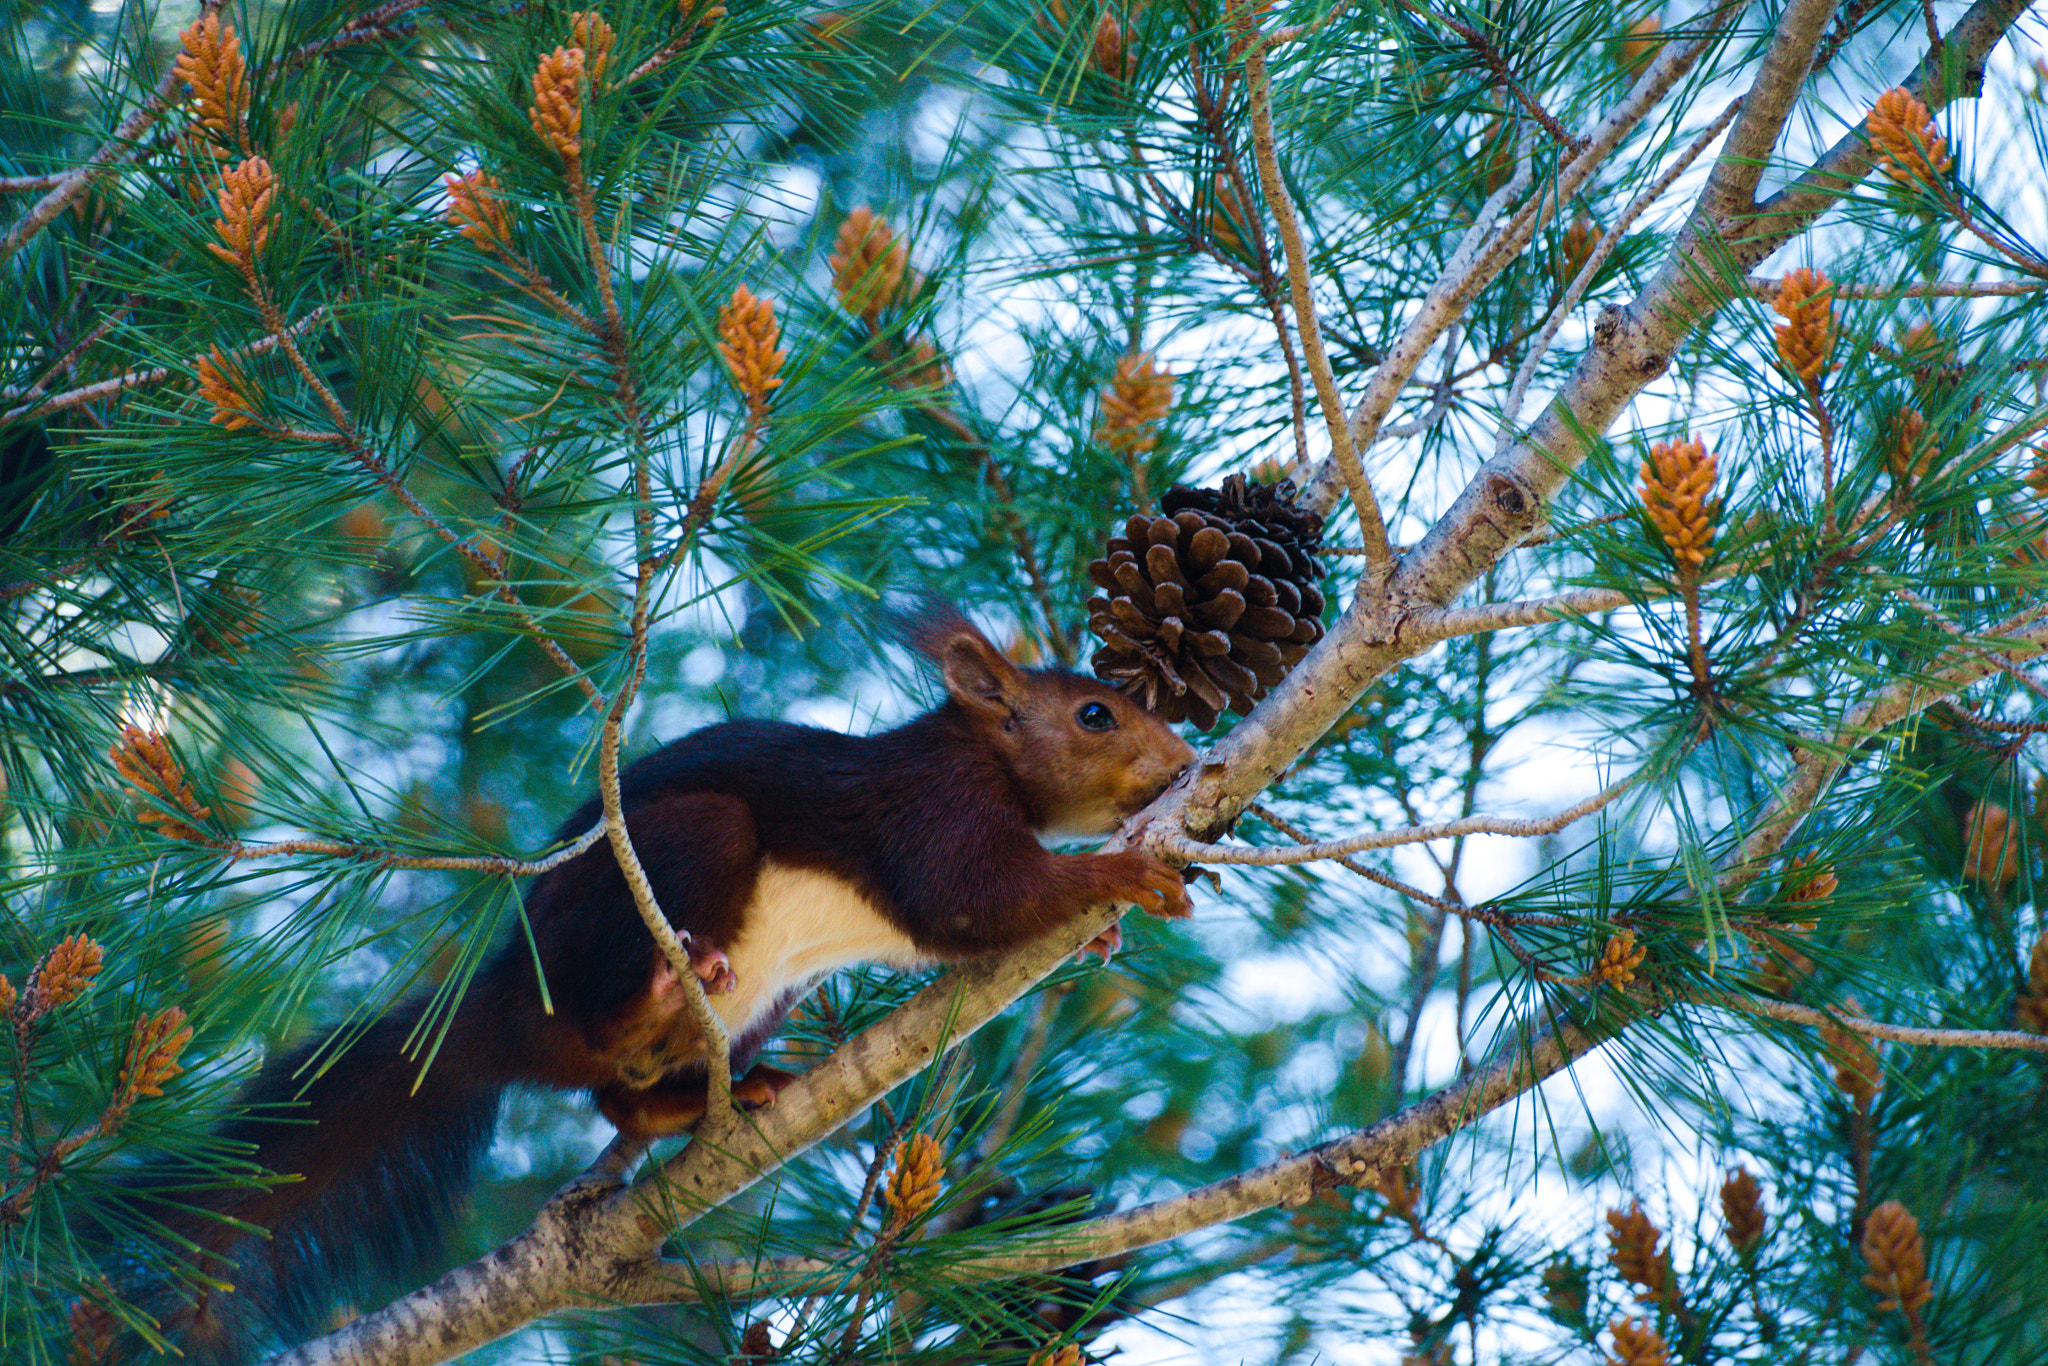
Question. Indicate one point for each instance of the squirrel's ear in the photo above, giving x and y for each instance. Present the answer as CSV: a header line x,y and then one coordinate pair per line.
x,y
978,676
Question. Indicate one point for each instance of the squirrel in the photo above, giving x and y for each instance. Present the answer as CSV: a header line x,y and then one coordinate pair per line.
x,y
782,852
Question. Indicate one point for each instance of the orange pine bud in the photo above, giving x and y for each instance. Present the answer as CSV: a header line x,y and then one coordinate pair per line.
x,y
1809,884
476,209
223,384
2031,1007
146,761
8,995
557,113
63,974
700,16
1133,405
1742,1205
93,1330
1859,1068
245,223
747,333
1640,44
1638,1343
1910,451
1066,1354
153,1049
1806,300
1677,479
589,31
1228,218
1908,145
1111,52
1619,959
1575,248
1400,1193
1991,846
1637,1256
1896,1257
914,1185
869,265
211,64
925,367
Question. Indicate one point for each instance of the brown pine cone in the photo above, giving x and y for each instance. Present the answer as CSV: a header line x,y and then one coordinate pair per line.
x,y
1209,603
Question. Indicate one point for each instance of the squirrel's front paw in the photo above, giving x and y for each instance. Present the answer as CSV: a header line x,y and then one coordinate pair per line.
x,y
1163,881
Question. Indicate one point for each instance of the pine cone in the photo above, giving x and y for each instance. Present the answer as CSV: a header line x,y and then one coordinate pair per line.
x,y
1211,602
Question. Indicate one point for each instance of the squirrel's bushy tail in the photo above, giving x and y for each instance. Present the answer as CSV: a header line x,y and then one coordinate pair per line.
x,y
376,1161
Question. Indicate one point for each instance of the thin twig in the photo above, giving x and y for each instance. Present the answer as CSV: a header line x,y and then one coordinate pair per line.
x,y
1764,287
1511,408
1877,1029
106,388
1259,91
110,153
1197,852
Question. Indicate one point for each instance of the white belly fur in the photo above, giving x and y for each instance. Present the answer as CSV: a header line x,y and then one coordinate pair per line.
x,y
801,925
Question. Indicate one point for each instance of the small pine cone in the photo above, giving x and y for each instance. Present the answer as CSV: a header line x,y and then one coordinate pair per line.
x,y
476,210
1211,602
92,1334
1859,1068
1134,404
1783,964
1911,149
244,225
1636,1255
589,31
1922,344
1909,451
1619,959
1991,846
1742,1205
1400,1193
146,761
914,1185
1897,1258
1111,51
2037,476
224,384
1806,301
1638,1343
747,333
1639,44
557,112
153,1049
63,974
869,266
1065,1354
2030,1009
1228,217
1677,479
757,1344
1808,884
1575,248
211,63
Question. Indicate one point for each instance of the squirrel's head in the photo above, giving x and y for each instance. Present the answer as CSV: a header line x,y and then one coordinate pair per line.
x,y
1084,755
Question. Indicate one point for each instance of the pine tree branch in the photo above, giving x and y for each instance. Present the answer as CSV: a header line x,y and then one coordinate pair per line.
x,y
1194,851
1764,287
1503,503
111,153
1528,1058
157,374
1379,557
1876,1029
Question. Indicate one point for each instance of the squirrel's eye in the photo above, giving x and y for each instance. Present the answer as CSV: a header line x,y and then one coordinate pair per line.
x,y
1095,716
